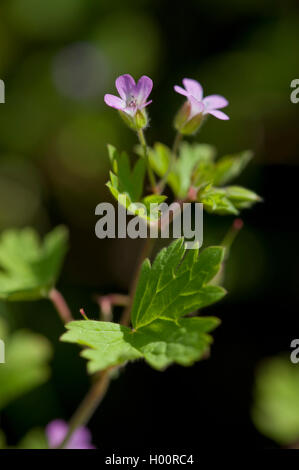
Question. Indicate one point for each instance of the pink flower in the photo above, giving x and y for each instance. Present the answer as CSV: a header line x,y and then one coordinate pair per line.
x,y
132,97
208,105
56,432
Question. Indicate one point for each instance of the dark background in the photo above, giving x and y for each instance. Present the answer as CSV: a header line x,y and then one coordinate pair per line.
x,y
53,166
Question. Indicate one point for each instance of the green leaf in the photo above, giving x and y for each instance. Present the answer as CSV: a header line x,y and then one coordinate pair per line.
x,y
216,201
179,178
128,181
230,166
29,268
175,286
153,213
25,367
126,186
227,200
275,409
240,196
160,344
110,343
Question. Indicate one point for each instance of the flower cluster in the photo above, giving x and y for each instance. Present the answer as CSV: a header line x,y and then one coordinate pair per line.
x,y
133,99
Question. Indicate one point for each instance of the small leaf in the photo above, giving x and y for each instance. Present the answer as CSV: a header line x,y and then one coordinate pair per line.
x,y
126,186
216,201
129,181
230,166
152,203
227,200
29,268
238,195
179,178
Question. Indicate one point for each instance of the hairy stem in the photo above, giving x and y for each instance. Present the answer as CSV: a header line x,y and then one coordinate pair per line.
x,y
176,143
146,251
100,387
173,157
61,306
107,302
88,405
150,172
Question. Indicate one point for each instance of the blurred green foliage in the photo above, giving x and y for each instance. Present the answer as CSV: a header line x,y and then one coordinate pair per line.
x,y
275,410
26,363
29,268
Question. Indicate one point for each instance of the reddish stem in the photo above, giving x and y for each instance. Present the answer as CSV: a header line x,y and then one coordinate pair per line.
x,y
61,306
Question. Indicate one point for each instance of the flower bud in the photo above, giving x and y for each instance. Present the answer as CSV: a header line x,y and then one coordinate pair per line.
x,y
184,124
141,119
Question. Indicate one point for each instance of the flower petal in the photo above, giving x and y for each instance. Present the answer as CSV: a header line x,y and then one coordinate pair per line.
x,y
197,107
124,85
81,439
114,102
215,102
181,90
218,114
56,432
194,88
143,89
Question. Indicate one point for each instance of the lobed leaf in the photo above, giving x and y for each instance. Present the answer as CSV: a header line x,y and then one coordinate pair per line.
x,y
160,344
176,285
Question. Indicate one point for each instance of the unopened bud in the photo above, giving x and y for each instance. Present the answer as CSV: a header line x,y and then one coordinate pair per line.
x,y
182,116
141,119
184,124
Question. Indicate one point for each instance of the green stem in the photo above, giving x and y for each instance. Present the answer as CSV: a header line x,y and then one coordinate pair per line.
x,y
176,143
231,235
173,157
146,251
146,156
107,302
